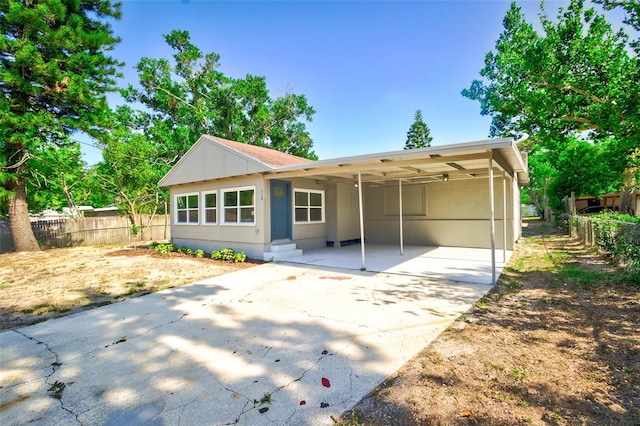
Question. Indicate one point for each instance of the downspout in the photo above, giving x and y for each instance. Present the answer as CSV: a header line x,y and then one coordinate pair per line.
x,y
493,223
361,208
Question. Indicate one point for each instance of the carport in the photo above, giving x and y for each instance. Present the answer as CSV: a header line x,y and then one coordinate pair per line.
x,y
455,199
461,264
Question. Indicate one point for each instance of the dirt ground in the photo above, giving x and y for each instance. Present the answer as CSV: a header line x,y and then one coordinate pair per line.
x,y
37,286
556,342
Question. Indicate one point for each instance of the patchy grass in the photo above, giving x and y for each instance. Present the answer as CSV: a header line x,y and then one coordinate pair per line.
x,y
554,342
52,283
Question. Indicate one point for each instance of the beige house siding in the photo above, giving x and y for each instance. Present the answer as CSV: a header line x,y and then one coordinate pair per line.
x,y
454,213
207,161
248,238
343,222
309,235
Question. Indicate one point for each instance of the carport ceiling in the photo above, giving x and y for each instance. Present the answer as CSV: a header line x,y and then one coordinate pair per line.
x,y
452,162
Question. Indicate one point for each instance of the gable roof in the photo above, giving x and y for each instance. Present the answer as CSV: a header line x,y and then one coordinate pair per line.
x,y
268,156
215,158
212,157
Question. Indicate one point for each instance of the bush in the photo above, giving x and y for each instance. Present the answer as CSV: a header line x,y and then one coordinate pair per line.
x,y
164,249
228,255
186,250
616,237
199,253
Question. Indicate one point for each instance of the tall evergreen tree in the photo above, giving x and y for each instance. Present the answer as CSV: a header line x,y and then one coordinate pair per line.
x,y
418,135
54,74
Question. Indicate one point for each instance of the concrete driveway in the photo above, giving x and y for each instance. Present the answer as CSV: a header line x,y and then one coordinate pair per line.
x,y
274,344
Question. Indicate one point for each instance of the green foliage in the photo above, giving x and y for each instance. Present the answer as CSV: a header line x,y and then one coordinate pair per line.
x,y
54,75
573,80
617,217
132,165
228,255
199,253
164,249
186,250
135,230
619,239
419,135
189,96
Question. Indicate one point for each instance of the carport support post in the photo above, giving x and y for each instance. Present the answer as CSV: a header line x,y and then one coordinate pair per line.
x,y
493,223
400,201
361,207
504,217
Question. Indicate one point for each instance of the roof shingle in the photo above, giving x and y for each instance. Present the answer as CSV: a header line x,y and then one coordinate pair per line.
x,y
268,156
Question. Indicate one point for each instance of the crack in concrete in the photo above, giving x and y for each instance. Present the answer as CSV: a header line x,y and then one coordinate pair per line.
x,y
147,331
55,366
253,403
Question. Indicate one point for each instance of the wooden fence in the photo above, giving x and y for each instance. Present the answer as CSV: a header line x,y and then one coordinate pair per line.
x,y
87,231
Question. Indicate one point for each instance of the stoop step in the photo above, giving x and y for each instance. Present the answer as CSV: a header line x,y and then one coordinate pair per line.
x,y
282,251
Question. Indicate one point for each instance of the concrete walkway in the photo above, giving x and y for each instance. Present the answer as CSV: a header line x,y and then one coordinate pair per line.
x,y
274,344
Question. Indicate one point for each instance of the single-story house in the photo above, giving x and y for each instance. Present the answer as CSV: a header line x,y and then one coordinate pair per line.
x,y
268,203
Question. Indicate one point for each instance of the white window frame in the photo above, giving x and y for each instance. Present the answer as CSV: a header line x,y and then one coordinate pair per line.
x,y
223,215
188,210
308,207
205,208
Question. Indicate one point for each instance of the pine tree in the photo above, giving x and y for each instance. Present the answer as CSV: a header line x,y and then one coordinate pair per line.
x,y
54,73
418,135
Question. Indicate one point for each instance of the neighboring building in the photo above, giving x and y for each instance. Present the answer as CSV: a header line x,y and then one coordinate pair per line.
x,y
610,201
265,203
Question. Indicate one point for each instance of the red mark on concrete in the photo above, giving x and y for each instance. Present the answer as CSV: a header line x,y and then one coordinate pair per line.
x,y
303,402
336,278
326,383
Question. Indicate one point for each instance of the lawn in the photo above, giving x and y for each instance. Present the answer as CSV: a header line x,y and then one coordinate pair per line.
x,y
36,286
557,341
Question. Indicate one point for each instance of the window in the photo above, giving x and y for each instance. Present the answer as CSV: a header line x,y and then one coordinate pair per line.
x,y
210,205
309,206
187,208
239,206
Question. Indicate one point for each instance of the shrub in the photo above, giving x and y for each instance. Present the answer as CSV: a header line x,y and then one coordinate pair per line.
x,y
198,253
164,249
617,235
228,255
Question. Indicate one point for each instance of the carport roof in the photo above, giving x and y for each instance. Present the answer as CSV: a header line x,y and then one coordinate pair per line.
x,y
454,162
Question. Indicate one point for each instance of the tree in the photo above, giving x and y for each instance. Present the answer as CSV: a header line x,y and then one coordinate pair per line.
x,y
632,15
574,81
55,73
191,96
418,135
131,166
57,174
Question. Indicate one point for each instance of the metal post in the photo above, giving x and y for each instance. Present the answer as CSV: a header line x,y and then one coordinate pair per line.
x,y
493,223
400,201
361,207
504,217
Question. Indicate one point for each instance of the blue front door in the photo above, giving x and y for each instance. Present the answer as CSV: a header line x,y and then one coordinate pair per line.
x,y
280,210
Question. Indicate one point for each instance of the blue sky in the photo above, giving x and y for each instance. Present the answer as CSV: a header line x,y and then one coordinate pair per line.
x,y
365,66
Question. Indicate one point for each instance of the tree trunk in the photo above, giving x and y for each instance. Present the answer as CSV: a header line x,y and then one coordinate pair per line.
x,y
23,237
73,207
534,198
625,206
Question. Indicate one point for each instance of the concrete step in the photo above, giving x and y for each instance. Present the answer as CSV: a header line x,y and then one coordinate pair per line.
x,y
281,251
271,256
281,248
